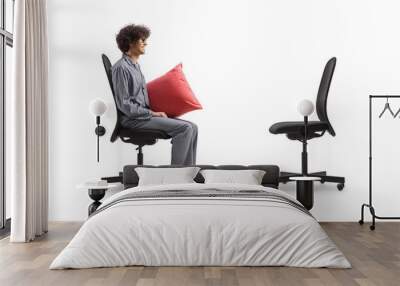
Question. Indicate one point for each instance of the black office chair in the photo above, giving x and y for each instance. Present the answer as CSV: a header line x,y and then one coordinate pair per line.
x,y
304,130
140,137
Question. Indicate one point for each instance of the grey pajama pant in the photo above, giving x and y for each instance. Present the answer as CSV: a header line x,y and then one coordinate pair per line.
x,y
183,133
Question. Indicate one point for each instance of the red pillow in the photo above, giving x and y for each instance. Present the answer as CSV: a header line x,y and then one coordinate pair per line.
x,y
172,94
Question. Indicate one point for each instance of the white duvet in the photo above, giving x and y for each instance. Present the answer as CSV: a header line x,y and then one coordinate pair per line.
x,y
200,231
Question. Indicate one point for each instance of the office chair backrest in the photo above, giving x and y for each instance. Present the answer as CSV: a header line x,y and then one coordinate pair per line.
x,y
322,97
107,67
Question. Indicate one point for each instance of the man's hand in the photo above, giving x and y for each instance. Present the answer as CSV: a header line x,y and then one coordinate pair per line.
x,y
159,114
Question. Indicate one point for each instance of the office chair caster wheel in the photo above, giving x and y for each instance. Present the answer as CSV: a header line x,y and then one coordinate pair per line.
x,y
372,227
361,222
340,187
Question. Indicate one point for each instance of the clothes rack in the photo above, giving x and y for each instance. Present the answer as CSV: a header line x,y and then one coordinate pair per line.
x,y
370,205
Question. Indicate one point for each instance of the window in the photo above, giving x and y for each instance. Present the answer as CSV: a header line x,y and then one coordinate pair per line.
x,y
6,44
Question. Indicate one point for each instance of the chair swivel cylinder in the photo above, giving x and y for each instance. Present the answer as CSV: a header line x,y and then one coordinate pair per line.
x,y
305,193
139,155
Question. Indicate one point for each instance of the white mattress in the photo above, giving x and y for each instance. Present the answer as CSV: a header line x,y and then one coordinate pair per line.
x,y
200,231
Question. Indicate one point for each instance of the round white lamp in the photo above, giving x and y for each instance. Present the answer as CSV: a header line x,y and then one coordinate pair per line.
x,y
97,107
305,107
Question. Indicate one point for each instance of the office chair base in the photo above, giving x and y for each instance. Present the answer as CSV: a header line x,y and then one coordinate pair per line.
x,y
284,178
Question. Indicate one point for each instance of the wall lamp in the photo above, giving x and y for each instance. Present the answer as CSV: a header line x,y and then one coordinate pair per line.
x,y
97,107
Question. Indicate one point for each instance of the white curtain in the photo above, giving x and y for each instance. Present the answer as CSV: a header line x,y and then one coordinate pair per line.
x,y
28,121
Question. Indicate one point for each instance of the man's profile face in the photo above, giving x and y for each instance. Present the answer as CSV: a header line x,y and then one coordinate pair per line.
x,y
139,47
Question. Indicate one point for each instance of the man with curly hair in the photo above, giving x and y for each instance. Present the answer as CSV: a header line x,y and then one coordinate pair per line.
x,y
133,101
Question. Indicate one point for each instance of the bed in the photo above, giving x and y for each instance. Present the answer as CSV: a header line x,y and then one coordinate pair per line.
x,y
201,224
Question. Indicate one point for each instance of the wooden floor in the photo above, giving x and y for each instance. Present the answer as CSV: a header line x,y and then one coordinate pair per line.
x,y
375,257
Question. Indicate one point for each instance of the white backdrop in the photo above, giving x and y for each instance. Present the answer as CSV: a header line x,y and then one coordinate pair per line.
x,y
249,63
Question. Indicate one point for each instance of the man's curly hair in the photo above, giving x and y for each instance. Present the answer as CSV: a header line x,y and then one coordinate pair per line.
x,y
131,34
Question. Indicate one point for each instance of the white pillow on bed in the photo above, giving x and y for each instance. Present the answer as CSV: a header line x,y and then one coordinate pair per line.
x,y
248,177
165,176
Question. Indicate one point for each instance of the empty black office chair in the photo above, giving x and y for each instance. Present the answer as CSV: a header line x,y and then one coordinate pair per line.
x,y
139,138
304,130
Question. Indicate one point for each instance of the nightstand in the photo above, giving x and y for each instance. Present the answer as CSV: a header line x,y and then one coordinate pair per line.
x,y
96,193
305,190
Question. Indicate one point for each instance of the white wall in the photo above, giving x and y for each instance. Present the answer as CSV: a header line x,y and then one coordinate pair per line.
x,y
249,63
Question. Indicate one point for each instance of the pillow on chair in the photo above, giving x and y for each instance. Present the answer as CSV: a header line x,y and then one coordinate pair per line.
x,y
248,177
165,176
172,94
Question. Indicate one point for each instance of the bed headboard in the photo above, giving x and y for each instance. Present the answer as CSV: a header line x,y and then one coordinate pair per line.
x,y
270,179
